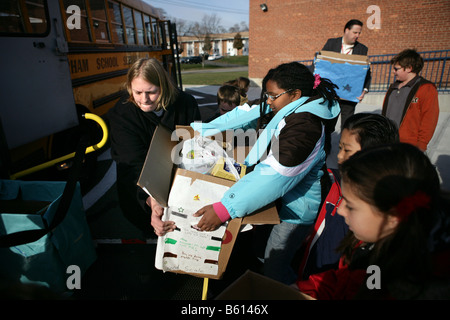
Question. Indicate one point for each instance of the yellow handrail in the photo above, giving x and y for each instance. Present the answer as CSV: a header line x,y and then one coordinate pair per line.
x,y
102,124
50,163
205,289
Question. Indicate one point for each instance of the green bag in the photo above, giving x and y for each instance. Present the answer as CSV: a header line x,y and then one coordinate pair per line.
x,y
43,231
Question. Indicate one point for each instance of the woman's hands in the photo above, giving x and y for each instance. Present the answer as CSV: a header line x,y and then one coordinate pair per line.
x,y
209,221
161,227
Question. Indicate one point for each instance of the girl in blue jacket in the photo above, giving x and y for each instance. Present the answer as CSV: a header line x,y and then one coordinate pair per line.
x,y
295,121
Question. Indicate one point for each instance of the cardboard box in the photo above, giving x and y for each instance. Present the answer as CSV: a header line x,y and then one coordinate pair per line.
x,y
253,286
347,71
335,57
159,171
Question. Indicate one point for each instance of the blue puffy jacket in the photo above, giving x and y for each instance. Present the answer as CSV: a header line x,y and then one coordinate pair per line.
x,y
277,176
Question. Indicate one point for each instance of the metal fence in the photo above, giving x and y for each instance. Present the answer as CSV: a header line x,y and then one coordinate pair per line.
x,y
436,69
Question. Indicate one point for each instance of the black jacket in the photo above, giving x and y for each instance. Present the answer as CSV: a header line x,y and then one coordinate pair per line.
x,y
335,45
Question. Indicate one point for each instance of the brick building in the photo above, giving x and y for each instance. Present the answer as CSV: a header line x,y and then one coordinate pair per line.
x,y
222,44
297,29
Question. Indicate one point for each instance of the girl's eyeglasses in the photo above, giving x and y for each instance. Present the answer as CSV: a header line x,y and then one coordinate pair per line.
x,y
273,98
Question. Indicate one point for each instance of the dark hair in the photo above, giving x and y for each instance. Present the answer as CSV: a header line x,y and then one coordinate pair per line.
x,y
294,75
409,58
351,23
383,176
372,129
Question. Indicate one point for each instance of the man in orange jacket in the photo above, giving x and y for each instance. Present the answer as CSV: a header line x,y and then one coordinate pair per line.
x,y
412,101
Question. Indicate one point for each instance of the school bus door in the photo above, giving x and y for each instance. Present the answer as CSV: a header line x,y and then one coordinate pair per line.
x,y
36,89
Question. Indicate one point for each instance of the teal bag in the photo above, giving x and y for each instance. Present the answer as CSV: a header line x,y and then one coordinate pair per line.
x,y
43,231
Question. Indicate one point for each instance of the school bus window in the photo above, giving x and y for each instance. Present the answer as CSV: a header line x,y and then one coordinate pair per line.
x,y
129,25
99,20
36,16
148,30
139,26
115,15
156,33
83,33
23,17
11,19
164,32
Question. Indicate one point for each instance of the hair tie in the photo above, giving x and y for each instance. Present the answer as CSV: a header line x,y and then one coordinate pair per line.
x,y
409,204
316,81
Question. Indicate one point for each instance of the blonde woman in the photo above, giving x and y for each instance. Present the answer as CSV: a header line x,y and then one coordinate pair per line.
x,y
152,99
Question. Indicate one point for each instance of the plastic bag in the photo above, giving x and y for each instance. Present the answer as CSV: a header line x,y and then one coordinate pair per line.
x,y
200,154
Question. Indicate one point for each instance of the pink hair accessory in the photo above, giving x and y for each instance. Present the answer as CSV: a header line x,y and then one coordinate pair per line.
x,y
316,81
409,204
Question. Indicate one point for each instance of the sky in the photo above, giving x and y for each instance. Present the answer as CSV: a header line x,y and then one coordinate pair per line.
x,y
230,12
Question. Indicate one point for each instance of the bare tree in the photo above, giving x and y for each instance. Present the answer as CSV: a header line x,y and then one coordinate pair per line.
x,y
238,27
211,24
182,26
243,26
234,28
203,30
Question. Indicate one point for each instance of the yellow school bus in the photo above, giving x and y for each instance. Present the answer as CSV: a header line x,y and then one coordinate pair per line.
x,y
61,59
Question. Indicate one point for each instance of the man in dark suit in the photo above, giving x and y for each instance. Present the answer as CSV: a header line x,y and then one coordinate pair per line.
x,y
348,44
